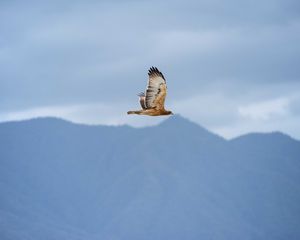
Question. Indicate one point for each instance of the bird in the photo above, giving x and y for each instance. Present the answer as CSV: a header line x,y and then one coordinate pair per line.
x,y
153,101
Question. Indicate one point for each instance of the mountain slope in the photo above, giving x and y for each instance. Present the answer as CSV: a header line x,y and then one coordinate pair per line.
x,y
60,180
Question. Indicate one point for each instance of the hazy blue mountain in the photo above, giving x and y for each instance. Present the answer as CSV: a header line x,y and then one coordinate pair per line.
x,y
177,180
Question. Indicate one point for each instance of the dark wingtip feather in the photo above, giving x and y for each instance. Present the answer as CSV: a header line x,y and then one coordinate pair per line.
x,y
155,71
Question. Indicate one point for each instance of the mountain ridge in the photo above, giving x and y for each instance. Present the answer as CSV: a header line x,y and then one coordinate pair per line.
x,y
60,180
171,120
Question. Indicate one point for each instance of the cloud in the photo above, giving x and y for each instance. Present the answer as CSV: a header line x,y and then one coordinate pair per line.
x,y
223,60
265,110
265,116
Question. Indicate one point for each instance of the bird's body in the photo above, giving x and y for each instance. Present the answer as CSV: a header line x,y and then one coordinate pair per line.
x,y
153,101
150,112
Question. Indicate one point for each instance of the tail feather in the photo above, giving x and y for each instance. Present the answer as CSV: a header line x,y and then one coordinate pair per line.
x,y
133,112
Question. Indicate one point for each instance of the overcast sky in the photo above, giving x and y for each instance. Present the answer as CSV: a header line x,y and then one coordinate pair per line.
x,y
231,66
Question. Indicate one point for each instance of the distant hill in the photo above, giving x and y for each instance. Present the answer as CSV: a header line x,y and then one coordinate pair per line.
x,y
177,180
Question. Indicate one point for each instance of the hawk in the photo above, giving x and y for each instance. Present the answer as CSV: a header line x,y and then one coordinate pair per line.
x,y
153,101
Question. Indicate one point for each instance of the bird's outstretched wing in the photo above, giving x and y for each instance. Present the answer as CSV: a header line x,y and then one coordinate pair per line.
x,y
156,90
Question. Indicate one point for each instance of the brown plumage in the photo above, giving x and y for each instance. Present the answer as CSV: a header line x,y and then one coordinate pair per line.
x,y
153,102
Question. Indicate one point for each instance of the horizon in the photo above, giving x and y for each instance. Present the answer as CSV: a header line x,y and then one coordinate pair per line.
x,y
166,119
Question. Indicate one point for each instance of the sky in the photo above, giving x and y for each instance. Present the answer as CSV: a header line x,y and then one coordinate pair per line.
x,y
231,66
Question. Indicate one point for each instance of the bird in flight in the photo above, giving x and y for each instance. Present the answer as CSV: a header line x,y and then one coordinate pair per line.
x,y
153,101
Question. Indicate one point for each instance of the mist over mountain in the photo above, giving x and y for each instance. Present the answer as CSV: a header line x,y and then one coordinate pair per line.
x,y
176,180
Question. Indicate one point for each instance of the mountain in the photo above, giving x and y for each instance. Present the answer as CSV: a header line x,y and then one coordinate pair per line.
x,y
177,180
